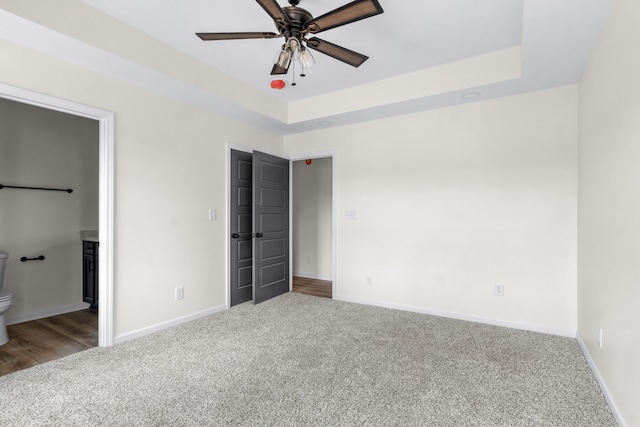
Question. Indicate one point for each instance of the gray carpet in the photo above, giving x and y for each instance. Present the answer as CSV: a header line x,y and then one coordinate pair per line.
x,y
302,361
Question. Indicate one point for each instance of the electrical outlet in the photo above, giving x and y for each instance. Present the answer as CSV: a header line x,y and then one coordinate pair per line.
x,y
600,338
368,281
179,293
212,214
498,290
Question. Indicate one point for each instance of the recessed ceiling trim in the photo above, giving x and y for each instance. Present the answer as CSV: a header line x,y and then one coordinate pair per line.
x,y
478,71
140,65
549,59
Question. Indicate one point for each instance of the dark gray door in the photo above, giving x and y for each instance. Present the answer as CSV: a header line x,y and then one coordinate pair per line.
x,y
271,226
241,250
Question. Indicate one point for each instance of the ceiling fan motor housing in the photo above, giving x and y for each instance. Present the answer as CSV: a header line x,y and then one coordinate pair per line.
x,y
298,17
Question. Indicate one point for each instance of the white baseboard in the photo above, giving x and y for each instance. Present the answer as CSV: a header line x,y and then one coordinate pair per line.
x,y
47,313
603,385
469,318
168,324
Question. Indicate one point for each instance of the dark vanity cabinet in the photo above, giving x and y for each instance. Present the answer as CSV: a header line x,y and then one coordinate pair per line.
x,y
90,272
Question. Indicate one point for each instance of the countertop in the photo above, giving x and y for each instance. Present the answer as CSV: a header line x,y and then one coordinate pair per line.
x,y
90,236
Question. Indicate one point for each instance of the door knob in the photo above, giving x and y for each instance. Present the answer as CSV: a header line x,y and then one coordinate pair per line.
x,y
235,235
258,234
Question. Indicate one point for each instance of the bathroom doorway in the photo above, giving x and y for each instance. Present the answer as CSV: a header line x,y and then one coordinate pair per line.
x,y
104,137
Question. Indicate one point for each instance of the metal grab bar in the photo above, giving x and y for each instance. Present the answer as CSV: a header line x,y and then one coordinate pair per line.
x,y
25,259
68,190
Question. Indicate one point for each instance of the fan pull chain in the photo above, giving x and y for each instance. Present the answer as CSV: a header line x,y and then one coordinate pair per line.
x,y
293,73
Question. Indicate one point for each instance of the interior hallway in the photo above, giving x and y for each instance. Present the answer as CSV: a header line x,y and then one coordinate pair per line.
x,y
315,287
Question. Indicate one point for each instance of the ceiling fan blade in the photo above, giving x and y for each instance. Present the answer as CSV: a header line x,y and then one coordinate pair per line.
x,y
278,70
235,36
354,11
338,52
275,11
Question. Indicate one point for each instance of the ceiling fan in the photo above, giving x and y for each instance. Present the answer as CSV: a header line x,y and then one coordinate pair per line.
x,y
296,24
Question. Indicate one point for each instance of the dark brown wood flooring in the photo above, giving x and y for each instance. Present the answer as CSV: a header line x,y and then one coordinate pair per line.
x,y
43,340
315,287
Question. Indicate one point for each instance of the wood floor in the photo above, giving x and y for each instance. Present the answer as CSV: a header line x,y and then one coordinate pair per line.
x,y
43,340
315,287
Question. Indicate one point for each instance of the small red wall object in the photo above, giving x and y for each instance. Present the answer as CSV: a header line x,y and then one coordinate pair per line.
x,y
308,162
277,84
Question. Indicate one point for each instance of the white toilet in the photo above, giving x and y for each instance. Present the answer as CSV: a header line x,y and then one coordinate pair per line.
x,y
6,298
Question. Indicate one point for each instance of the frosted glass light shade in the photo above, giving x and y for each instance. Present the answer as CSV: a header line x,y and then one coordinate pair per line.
x,y
284,57
306,59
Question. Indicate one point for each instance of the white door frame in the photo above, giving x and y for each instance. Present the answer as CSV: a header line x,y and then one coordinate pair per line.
x,y
106,176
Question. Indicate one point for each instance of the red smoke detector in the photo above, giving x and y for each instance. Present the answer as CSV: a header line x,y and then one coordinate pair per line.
x,y
277,84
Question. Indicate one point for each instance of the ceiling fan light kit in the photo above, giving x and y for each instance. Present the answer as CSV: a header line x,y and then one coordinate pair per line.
x,y
294,24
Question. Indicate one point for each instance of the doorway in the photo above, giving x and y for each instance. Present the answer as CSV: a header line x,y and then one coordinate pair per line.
x,y
258,227
106,196
312,226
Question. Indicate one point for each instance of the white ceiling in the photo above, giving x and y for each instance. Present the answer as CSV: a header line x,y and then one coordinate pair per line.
x,y
410,42
408,36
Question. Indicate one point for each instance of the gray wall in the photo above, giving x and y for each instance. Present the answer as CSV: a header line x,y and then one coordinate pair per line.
x,y
44,148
